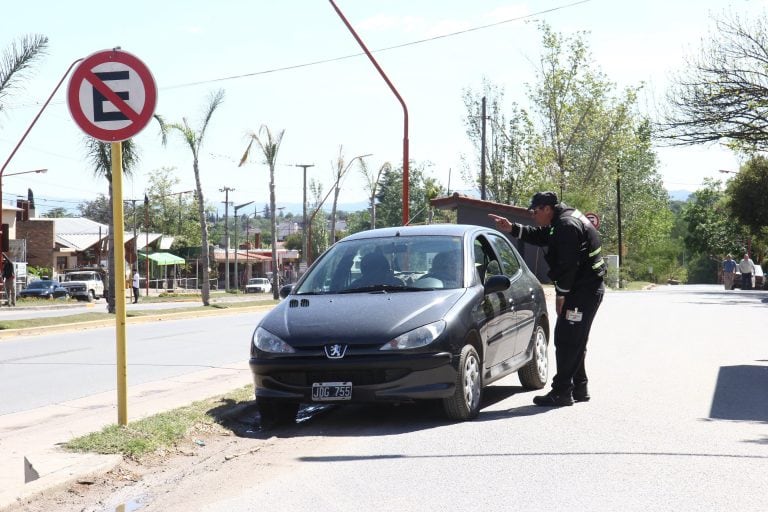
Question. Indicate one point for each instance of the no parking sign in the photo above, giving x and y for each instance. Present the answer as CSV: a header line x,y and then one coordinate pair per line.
x,y
112,95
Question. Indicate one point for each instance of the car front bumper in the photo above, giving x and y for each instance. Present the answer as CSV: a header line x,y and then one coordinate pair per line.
x,y
388,378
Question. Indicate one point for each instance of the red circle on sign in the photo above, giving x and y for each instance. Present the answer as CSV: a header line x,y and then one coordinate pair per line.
x,y
594,219
137,120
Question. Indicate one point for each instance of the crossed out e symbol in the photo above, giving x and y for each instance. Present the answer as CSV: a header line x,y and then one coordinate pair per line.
x,y
99,99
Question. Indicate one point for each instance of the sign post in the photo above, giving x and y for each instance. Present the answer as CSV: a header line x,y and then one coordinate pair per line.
x,y
112,96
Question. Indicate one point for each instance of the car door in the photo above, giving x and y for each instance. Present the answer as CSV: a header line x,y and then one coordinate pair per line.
x,y
494,314
521,293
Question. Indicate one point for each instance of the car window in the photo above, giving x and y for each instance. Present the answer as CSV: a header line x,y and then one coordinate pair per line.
x,y
510,265
391,262
486,263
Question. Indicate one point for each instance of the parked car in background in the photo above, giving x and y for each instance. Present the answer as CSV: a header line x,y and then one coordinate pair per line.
x,y
403,314
258,285
84,284
758,280
44,289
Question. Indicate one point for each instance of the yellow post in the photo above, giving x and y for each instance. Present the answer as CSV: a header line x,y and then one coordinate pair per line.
x,y
119,255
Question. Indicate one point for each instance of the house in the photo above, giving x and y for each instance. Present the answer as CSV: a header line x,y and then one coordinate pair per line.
x,y
72,242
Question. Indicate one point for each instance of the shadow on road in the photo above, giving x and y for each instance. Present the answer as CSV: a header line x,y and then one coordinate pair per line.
x,y
243,419
741,394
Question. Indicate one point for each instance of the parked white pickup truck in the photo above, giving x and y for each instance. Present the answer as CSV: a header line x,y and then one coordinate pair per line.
x,y
84,284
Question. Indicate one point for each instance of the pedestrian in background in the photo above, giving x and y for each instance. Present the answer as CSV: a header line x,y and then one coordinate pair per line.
x,y
576,268
9,280
747,269
729,272
136,284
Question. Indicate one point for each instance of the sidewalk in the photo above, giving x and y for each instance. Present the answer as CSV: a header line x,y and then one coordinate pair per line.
x,y
37,434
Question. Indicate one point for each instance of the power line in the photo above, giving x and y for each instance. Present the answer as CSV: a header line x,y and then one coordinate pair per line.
x,y
353,55
388,48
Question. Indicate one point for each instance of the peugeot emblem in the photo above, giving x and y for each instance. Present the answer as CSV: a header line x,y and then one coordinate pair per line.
x,y
335,351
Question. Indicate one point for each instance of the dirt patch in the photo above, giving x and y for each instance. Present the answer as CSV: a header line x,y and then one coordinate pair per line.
x,y
203,467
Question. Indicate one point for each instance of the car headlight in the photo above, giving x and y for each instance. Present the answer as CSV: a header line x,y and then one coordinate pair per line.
x,y
268,342
416,338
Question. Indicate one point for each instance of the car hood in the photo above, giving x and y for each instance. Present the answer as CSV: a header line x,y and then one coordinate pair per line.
x,y
356,317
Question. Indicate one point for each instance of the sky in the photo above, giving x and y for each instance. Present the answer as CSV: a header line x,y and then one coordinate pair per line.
x,y
292,65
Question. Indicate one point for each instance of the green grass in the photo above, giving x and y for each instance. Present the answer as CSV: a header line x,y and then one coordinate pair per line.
x,y
161,431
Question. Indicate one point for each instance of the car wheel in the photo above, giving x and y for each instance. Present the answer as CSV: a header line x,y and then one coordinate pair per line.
x,y
465,402
91,296
535,373
276,412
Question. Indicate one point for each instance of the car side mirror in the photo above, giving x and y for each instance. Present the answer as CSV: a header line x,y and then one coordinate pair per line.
x,y
495,284
285,291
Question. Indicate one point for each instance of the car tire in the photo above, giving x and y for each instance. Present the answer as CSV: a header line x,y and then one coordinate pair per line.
x,y
464,404
535,373
276,412
91,296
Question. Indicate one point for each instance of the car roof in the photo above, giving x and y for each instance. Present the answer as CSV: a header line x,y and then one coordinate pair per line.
x,y
426,230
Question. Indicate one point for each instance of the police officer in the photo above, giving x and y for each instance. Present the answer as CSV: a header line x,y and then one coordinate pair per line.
x,y
576,268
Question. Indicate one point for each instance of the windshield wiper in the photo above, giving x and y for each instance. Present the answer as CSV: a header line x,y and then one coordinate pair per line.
x,y
384,288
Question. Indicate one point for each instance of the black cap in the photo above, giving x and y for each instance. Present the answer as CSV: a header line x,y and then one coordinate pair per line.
x,y
543,199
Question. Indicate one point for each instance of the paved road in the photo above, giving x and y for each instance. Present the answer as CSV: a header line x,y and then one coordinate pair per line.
x,y
679,421
43,370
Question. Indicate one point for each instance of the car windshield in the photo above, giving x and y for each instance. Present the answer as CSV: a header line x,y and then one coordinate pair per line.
x,y
258,280
39,285
388,264
78,277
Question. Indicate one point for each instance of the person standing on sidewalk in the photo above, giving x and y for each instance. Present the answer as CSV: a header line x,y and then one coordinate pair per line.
x,y
576,268
747,269
135,285
729,272
9,280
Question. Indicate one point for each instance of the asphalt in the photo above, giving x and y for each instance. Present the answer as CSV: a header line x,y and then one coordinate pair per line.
x,y
31,457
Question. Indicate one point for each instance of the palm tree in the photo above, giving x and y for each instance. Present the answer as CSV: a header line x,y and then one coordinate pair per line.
x,y
194,139
100,156
269,147
372,184
17,59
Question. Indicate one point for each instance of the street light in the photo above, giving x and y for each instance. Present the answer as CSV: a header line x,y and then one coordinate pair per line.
x,y
237,275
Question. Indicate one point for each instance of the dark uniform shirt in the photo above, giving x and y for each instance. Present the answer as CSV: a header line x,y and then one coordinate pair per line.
x,y
573,249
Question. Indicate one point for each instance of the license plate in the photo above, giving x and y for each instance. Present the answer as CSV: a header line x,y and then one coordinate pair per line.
x,y
331,391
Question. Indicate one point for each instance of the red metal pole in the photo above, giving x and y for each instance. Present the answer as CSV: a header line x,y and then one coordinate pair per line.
x,y
29,128
399,98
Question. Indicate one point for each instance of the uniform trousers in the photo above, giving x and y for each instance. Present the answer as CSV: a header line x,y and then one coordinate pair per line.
x,y
571,336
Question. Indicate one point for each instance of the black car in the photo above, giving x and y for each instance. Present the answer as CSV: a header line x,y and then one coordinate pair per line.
x,y
403,314
44,289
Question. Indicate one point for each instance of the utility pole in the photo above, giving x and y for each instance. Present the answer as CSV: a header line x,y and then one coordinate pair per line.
x,y
304,218
237,245
482,151
618,217
226,191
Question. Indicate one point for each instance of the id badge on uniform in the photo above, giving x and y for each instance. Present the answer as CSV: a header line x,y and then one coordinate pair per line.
x,y
573,315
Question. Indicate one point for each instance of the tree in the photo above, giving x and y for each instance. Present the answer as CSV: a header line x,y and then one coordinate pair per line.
x,y
57,213
390,197
100,156
194,140
747,201
372,185
721,93
270,146
98,210
711,231
509,153
17,60
580,117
